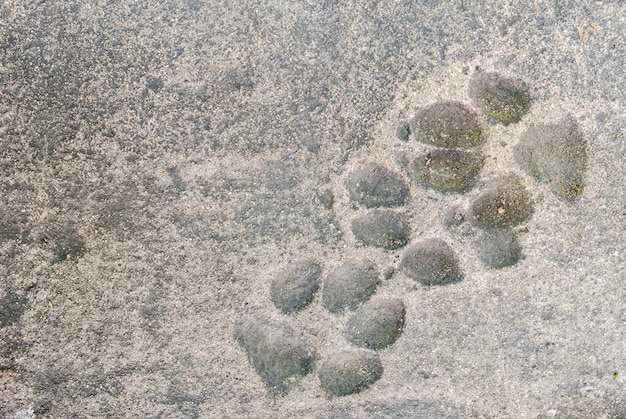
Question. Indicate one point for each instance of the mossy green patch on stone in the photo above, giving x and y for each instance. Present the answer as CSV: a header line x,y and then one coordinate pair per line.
x,y
555,153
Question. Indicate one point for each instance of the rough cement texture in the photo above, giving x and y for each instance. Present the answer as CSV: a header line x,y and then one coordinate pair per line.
x,y
160,161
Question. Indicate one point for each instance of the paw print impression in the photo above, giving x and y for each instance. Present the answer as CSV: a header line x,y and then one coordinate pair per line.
x,y
443,158
282,355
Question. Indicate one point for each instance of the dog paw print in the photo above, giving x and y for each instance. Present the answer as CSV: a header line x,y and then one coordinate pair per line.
x,y
282,355
449,162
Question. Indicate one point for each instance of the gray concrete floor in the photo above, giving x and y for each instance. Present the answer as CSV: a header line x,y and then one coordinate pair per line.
x,y
161,161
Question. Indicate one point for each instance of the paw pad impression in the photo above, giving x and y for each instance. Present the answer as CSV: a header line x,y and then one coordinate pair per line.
x,y
502,99
279,353
555,153
450,162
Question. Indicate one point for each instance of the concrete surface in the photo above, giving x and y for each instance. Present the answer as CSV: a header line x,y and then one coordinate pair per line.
x,y
161,161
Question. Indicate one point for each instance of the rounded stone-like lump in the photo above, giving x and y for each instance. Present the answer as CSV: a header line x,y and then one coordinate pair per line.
x,y
382,228
431,262
377,323
349,371
294,286
503,99
448,170
448,124
555,153
374,185
349,284
279,354
506,205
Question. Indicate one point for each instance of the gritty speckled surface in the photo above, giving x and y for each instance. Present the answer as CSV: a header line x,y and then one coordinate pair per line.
x,y
161,161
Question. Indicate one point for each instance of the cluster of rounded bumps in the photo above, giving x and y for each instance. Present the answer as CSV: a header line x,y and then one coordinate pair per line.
x,y
281,355
552,153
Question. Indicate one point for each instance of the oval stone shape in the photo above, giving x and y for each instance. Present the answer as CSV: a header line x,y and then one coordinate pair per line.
x,y
448,124
447,170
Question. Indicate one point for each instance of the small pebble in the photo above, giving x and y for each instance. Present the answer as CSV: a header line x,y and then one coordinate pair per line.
x,y
279,353
499,248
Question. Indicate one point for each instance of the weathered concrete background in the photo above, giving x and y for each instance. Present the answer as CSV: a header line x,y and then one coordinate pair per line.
x,y
160,161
